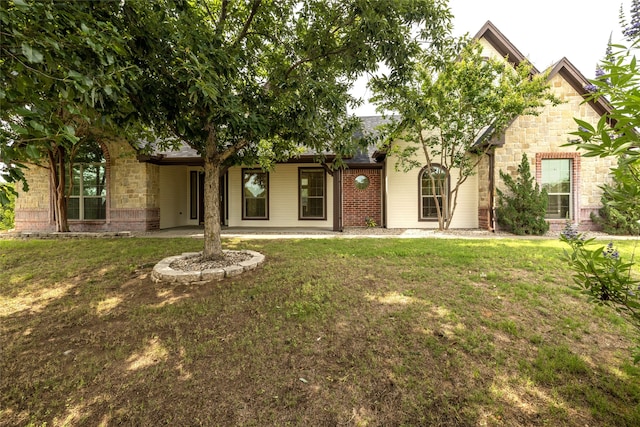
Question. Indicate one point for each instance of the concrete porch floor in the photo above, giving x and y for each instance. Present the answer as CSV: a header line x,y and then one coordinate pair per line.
x,y
253,232
315,233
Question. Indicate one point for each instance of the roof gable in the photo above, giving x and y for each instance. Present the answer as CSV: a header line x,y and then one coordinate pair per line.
x,y
578,81
501,44
564,67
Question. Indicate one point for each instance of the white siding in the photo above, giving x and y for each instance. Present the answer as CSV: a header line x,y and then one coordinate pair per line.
x,y
174,197
283,199
403,200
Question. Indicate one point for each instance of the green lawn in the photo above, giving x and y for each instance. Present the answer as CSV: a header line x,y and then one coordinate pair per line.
x,y
354,332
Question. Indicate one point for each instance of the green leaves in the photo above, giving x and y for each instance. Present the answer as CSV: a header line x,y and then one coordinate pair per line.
x,y
601,274
617,131
62,72
33,55
453,101
522,210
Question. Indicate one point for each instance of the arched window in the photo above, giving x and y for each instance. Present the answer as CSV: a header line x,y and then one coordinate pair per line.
x,y
433,185
88,198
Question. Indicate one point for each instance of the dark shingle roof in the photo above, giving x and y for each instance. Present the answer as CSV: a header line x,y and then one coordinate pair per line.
x,y
184,154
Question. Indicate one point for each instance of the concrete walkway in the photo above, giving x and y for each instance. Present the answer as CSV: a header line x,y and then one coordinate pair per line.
x,y
308,233
318,233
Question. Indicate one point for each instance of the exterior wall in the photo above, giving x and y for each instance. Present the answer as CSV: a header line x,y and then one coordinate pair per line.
x,y
132,196
135,189
542,136
403,200
283,199
174,197
358,205
33,208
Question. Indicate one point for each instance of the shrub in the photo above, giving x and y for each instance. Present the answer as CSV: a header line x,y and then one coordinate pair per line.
x,y
522,210
621,201
600,273
7,208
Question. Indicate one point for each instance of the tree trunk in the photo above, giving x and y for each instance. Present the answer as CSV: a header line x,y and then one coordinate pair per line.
x,y
212,241
57,174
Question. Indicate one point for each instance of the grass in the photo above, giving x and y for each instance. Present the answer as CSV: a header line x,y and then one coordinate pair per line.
x,y
361,332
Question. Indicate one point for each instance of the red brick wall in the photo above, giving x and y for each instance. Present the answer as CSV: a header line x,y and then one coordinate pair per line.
x,y
484,219
358,205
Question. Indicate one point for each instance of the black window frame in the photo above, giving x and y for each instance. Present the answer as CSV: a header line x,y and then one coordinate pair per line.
x,y
301,215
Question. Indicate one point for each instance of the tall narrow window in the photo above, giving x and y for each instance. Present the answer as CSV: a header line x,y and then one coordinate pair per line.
x,y
255,194
556,179
433,185
88,198
312,193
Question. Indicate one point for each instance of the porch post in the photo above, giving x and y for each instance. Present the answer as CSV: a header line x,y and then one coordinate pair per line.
x,y
337,200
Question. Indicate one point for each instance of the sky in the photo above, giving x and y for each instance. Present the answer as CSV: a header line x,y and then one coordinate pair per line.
x,y
544,31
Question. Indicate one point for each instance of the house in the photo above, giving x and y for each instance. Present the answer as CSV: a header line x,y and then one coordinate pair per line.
x,y
116,189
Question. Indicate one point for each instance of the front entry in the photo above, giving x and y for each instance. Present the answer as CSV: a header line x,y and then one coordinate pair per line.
x,y
197,182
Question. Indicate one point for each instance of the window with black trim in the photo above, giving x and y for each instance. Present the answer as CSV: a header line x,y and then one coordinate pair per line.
x,y
312,184
433,184
255,194
88,198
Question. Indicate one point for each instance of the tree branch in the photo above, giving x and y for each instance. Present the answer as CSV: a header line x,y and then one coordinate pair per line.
x,y
31,68
248,22
233,149
222,18
313,58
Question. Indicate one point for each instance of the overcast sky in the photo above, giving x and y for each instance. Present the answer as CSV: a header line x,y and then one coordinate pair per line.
x,y
544,31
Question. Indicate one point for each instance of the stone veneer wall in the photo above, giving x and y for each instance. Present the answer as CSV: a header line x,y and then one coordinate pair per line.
x,y
358,205
33,207
135,191
543,136
132,196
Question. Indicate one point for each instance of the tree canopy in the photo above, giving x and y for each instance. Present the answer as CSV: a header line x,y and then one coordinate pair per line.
x,y
254,82
63,65
248,82
449,106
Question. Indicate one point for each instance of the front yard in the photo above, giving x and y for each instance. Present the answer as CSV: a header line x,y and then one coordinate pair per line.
x,y
360,332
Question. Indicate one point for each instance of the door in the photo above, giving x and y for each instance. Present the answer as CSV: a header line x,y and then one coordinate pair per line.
x,y
197,197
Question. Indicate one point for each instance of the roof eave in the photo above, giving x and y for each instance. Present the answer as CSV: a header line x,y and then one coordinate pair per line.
x,y
502,44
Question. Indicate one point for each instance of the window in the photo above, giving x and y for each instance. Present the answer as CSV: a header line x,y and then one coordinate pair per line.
x,y
312,193
362,182
432,190
255,194
556,179
88,198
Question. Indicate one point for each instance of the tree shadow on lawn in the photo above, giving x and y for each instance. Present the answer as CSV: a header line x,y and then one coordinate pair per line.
x,y
289,344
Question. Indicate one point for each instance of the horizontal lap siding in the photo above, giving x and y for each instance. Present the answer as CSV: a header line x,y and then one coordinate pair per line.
x,y
403,200
283,199
174,194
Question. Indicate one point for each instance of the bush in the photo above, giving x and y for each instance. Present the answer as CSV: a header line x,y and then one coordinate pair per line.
x,y
522,211
7,207
602,275
621,201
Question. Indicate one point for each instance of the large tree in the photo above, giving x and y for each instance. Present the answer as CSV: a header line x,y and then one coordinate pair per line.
x,y
254,81
62,66
449,107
